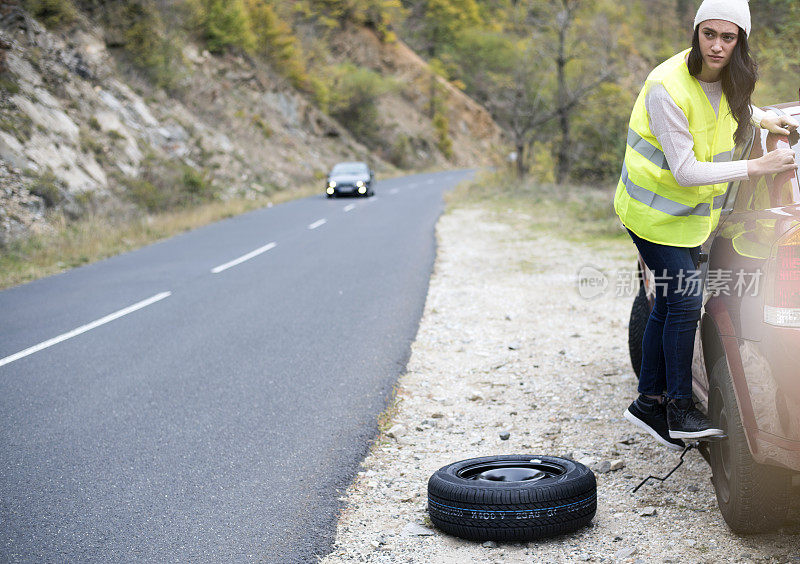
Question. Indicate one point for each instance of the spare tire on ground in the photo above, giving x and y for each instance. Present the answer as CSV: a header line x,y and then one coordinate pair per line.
x,y
512,497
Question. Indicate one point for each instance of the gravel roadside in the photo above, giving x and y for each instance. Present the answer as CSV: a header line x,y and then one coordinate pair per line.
x,y
508,345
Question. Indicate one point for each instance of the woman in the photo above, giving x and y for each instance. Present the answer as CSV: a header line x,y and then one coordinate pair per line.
x,y
692,110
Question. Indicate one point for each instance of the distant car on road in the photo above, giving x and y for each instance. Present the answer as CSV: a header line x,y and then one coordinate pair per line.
x,y
353,178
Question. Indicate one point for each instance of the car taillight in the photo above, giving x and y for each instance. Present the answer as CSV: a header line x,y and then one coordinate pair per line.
x,y
782,300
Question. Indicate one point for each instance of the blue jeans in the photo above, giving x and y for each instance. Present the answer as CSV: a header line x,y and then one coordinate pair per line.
x,y
668,344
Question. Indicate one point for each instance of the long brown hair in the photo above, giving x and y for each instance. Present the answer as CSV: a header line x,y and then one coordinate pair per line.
x,y
738,80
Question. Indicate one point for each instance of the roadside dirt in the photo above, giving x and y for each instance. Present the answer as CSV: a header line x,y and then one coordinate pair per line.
x,y
508,343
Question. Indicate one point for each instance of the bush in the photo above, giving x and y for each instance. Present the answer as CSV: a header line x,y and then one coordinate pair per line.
x,y
353,98
400,153
8,83
48,188
259,122
165,185
443,141
144,194
224,24
18,124
149,45
52,13
195,185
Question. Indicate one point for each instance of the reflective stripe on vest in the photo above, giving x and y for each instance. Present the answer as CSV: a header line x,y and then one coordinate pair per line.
x,y
724,157
665,205
657,156
647,149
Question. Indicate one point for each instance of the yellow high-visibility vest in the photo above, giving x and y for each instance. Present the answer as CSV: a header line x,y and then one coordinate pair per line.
x,y
649,201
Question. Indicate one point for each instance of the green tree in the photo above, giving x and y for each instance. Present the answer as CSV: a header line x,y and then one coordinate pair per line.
x,y
275,40
436,24
380,15
224,24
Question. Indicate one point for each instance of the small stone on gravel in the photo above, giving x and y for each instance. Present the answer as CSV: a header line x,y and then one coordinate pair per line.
x,y
648,511
625,552
489,544
414,529
504,435
396,431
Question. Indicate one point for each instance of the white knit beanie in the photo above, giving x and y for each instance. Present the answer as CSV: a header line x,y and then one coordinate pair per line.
x,y
735,11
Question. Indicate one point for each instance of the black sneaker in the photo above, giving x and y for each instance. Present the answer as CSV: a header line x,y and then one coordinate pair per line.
x,y
649,415
687,422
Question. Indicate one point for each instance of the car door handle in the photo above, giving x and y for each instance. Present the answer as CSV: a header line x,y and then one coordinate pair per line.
x,y
703,258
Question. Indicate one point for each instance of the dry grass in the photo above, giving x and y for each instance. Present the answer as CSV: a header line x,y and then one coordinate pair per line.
x,y
94,238
576,213
387,418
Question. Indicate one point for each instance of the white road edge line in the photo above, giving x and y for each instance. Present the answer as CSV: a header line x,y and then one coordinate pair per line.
x,y
318,223
241,259
349,207
85,328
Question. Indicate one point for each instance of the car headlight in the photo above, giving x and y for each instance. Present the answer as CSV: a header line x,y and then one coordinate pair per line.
x,y
329,190
360,183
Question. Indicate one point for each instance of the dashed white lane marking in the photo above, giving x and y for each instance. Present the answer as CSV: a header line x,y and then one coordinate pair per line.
x,y
85,328
318,223
349,207
430,181
241,259
393,191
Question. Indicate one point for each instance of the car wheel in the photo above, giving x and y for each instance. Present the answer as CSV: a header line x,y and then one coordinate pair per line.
x,y
640,312
512,497
752,498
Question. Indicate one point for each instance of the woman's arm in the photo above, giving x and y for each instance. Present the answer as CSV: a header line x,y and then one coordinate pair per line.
x,y
671,127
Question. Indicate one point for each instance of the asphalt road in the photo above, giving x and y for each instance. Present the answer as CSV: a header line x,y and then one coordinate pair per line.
x,y
179,403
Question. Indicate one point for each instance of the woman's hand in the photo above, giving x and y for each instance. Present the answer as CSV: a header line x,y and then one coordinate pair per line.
x,y
780,125
774,162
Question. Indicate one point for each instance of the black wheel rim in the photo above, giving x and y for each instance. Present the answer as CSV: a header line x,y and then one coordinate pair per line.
x,y
721,450
526,471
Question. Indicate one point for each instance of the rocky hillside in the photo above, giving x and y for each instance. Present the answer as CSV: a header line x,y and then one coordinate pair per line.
x,y
82,131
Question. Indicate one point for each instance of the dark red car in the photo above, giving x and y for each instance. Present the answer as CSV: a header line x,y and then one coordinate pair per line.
x,y
746,366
